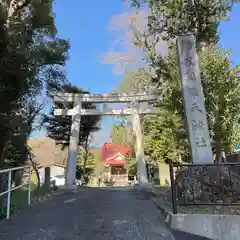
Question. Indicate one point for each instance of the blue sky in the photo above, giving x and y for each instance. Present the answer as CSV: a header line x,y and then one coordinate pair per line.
x,y
230,35
85,24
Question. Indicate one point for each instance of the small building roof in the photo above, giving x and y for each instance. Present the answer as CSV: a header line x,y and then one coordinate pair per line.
x,y
110,153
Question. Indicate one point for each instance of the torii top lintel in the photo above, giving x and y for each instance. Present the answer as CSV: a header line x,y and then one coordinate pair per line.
x,y
105,98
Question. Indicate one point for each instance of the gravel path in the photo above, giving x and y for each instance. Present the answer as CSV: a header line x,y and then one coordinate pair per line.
x,y
91,214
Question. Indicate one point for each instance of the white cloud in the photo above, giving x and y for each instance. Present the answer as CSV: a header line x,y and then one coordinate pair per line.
x,y
129,57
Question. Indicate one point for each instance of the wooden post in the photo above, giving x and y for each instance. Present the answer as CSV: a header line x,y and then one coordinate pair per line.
x,y
195,111
73,147
47,178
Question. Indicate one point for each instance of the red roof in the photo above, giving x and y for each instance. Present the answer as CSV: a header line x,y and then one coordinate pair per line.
x,y
114,154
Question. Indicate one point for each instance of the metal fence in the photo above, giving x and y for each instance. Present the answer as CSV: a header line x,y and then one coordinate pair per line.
x,y
205,184
10,186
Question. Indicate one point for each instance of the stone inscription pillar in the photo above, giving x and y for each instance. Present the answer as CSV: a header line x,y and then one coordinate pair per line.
x,y
194,105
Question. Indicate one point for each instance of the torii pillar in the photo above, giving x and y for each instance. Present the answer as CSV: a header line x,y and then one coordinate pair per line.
x,y
73,147
76,113
139,150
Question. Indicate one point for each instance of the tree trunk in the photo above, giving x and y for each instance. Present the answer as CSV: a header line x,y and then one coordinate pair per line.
x,y
3,146
180,158
84,165
218,152
85,158
14,7
34,165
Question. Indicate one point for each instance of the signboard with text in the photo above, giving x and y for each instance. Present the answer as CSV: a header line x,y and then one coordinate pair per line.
x,y
195,111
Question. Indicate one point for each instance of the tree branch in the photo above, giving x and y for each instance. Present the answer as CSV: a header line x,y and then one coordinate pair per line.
x,y
14,7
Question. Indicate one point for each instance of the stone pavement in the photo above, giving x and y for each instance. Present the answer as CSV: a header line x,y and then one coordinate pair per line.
x,y
91,214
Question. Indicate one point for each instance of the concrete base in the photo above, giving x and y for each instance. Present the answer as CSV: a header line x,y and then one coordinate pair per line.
x,y
217,227
144,187
68,188
210,226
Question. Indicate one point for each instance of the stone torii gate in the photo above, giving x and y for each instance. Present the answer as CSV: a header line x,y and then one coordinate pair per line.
x,y
78,111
